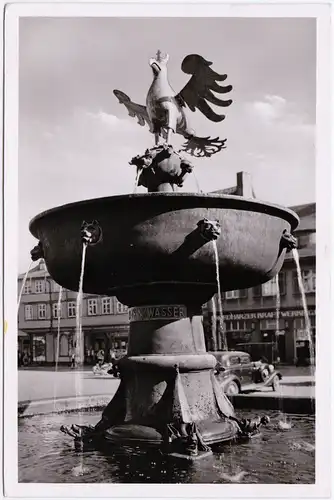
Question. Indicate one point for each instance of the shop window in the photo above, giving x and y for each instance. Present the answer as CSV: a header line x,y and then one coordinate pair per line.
x,y
71,309
39,286
106,305
236,326
308,279
28,312
38,348
92,307
41,311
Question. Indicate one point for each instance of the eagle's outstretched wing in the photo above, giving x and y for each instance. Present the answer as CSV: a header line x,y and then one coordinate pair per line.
x,y
200,86
135,110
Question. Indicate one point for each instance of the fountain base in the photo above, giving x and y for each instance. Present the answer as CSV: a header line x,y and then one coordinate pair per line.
x,y
168,397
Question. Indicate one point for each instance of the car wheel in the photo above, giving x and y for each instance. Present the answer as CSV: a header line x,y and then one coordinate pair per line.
x,y
232,388
276,383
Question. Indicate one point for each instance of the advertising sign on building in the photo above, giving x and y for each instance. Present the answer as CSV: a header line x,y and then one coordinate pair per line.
x,y
298,313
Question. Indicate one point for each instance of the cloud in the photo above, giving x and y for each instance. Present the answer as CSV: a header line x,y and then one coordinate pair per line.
x,y
271,108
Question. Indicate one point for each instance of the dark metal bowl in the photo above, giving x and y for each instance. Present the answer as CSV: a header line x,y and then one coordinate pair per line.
x,y
152,241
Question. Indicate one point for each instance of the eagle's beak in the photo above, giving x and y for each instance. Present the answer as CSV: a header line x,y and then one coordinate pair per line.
x,y
155,66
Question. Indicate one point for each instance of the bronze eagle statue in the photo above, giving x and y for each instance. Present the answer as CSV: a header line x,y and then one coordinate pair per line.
x,y
164,112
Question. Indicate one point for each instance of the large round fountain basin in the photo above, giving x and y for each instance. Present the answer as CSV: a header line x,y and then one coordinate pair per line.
x,y
154,239
45,455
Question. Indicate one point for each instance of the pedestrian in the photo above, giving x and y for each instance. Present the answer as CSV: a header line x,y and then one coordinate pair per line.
x,y
100,357
72,360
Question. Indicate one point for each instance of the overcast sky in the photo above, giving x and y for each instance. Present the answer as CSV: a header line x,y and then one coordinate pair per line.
x,y
76,140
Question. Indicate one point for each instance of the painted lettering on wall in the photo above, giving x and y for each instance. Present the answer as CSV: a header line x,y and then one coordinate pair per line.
x,y
267,315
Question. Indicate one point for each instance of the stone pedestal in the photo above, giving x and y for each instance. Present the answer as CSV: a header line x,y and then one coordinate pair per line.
x,y
168,392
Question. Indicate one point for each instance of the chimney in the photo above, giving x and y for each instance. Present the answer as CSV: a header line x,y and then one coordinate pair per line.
x,y
42,266
244,185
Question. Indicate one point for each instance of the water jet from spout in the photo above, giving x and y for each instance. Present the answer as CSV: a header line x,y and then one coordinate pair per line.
x,y
220,304
57,344
308,328
139,171
23,285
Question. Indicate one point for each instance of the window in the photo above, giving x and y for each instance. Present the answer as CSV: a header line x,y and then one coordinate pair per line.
x,y
244,360
92,307
39,347
232,294
28,312
309,281
39,286
71,309
235,294
41,311
55,310
234,360
106,305
268,324
269,289
236,326
27,287
121,308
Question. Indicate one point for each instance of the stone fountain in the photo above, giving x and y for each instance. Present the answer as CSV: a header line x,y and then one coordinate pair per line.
x,y
155,253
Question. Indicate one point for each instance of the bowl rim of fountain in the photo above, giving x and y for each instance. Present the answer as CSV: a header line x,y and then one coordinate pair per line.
x,y
238,202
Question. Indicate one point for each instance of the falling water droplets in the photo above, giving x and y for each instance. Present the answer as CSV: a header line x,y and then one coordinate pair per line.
x,y
57,345
139,171
79,348
304,303
23,285
220,304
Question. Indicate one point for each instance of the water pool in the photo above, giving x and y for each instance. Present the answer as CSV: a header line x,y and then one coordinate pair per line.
x,y
45,455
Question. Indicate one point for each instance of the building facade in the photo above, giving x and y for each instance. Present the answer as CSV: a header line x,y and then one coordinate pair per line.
x,y
257,318
44,306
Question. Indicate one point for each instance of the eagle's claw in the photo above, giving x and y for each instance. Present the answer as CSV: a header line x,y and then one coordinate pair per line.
x,y
203,146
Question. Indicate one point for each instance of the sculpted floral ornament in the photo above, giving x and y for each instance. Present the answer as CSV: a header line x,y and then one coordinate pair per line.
x,y
161,168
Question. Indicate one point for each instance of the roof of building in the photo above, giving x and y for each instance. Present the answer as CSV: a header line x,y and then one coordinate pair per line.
x,y
307,215
38,271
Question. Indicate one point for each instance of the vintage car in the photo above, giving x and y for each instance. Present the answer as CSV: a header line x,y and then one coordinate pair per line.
x,y
236,372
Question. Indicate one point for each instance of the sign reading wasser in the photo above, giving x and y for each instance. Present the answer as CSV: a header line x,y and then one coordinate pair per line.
x,y
146,313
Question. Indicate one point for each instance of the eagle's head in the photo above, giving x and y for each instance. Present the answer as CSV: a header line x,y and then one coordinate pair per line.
x,y
159,63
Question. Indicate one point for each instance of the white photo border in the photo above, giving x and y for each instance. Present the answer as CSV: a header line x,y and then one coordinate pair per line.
x,y
320,11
